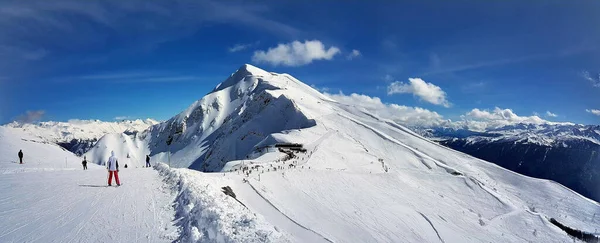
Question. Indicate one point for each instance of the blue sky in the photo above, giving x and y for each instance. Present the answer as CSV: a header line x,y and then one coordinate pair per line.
x,y
138,59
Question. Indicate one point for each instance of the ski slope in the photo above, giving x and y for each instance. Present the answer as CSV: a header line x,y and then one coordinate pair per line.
x,y
304,168
77,206
39,155
50,198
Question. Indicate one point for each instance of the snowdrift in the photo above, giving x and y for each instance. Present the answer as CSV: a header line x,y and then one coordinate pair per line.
x,y
208,215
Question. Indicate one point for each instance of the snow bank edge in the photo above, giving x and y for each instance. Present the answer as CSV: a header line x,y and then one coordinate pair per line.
x,y
204,214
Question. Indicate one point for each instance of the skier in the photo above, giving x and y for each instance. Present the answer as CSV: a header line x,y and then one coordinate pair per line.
x,y
84,163
113,168
147,160
20,156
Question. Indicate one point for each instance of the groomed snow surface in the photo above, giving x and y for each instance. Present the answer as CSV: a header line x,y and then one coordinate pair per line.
x,y
78,206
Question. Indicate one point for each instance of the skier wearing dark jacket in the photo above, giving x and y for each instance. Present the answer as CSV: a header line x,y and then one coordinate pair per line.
x,y
113,168
147,161
84,163
20,156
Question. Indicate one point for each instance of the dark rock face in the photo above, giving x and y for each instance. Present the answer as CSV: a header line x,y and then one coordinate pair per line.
x,y
78,146
574,163
566,153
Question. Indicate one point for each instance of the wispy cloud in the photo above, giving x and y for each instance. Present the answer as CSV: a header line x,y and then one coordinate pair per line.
x,y
33,30
241,47
21,53
474,87
550,114
296,53
594,80
418,87
389,44
138,77
30,116
320,89
353,54
593,111
119,118
437,67
388,78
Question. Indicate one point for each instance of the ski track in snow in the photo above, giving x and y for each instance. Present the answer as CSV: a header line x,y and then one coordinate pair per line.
x,y
306,232
77,206
418,154
434,229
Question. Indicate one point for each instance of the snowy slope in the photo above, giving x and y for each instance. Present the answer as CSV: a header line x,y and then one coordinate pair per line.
x,y
325,171
77,206
79,135
229,122
568,154
129,149
39,155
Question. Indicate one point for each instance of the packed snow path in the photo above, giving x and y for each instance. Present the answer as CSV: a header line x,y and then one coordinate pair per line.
x,y
78,206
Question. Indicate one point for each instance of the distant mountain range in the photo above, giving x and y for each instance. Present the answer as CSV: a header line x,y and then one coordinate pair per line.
x,y
568,154
78,136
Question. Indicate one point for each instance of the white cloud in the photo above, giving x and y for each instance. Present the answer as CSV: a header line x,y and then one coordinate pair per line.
x,y
481,120
295,53
550,114
320,89
353,54
239,47
405,115
593,111
426,91
502,115
594,80
122,118
476,119
30,116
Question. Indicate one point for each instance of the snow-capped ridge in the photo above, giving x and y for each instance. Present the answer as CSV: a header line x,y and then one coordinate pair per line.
x,y
79,135
244,71
246,97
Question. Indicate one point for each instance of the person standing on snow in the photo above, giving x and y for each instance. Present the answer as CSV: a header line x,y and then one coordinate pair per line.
x,y
113,168
147,160
20,156
84,163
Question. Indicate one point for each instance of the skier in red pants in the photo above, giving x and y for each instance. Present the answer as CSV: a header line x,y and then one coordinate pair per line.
x,y
113,168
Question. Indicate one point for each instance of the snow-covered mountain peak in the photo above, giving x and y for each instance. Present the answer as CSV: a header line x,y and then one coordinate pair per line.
x,y
261,102
245,73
